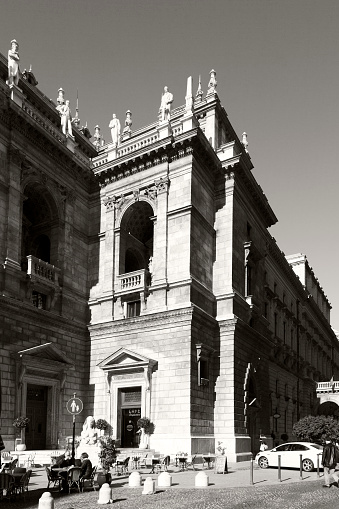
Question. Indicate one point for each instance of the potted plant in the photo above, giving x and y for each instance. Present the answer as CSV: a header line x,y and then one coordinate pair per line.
x,y
146,428
21,423
102,425
221,449
107,457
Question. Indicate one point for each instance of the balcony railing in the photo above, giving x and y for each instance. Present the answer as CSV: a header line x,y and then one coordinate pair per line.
x,y
327,387
136,281
43,271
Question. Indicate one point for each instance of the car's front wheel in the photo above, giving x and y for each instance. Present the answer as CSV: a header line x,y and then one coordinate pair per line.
x,y
263,462
308,465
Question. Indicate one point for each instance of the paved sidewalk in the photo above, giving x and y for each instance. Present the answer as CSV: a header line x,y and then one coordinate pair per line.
x,y
238,476
232,490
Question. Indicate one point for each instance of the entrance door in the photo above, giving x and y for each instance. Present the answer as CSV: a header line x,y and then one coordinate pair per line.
x,y
36,411
130,417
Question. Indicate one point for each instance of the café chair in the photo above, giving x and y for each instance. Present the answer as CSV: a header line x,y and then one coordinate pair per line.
x,y
164,463
73,478
190,461
7,484
91,481
30,460
22,485
121,467
53,478
13,464
142,461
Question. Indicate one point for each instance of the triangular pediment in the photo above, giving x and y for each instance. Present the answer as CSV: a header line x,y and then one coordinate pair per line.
x,y
49,352
125,359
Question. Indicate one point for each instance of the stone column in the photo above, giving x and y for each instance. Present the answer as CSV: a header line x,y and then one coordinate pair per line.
x,y
108,256
159,279
12,263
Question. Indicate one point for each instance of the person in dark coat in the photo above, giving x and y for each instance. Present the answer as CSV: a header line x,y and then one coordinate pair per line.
x,y
64,460
330,458
86,466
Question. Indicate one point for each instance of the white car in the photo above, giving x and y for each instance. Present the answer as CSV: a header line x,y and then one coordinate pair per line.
x,y
290,456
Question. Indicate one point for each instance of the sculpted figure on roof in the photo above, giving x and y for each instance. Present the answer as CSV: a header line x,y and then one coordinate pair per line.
x,y
115,128
13,64
66,118
165,106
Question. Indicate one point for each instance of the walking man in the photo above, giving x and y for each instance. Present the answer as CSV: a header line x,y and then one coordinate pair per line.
x,y
330,458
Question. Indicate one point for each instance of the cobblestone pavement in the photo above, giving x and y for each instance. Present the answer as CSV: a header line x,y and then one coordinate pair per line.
x,y
291,493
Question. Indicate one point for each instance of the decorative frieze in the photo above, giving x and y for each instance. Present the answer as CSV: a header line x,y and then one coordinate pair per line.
x,y
128,376
151,192
162,185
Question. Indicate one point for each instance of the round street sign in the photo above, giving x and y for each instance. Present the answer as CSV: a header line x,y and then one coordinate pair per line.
x,y
74,406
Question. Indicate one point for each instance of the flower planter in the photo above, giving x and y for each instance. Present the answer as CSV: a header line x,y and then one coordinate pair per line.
x,y
103,477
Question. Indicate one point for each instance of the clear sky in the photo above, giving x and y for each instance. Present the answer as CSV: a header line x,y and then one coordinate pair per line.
x,y
278,79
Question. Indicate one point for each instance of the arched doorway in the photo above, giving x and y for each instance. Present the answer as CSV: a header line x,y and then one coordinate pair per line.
x,y
136,239
329,408
39,225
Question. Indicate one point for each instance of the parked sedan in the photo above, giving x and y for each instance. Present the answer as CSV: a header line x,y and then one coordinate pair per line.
x,y
290,456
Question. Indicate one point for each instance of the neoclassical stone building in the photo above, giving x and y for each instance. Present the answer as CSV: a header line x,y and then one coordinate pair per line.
x,y
142,276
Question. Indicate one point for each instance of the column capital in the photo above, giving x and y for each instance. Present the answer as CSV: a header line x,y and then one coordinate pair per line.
x,y
162,185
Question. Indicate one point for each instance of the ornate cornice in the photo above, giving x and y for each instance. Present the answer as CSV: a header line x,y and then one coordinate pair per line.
x,y
43,319
144,321
193,143
56,150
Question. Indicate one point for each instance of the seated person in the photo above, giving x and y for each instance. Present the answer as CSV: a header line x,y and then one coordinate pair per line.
x,y
86,466
63,461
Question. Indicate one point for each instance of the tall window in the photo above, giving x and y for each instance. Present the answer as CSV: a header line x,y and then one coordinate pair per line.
x,y
275,324
133,309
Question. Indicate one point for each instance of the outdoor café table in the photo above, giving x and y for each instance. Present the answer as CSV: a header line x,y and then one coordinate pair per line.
x,y
182,461
135,461
155,462
62,473
17,478
208,458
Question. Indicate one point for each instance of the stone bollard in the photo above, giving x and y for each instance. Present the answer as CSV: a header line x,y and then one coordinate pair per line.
x,y
105,494
46,501
201,480
149,486
165,480
134,480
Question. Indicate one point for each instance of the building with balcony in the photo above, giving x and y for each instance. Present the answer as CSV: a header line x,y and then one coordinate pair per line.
x,y
46,244
143,276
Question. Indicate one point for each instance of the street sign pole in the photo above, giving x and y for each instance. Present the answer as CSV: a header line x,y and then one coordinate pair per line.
x,y
73,441
74,406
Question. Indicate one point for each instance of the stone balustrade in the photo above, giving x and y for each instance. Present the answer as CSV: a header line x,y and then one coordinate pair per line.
x,y
133,281
327,387
44,271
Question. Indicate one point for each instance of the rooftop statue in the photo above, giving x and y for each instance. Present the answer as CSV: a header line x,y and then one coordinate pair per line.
x,y
66,118
115,127
165,106
128,124
212,84
13,64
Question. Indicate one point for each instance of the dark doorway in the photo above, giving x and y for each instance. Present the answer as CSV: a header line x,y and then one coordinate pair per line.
x,y
36,411
129,436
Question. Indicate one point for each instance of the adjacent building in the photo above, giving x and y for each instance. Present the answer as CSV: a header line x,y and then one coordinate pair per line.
x,y
142,275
